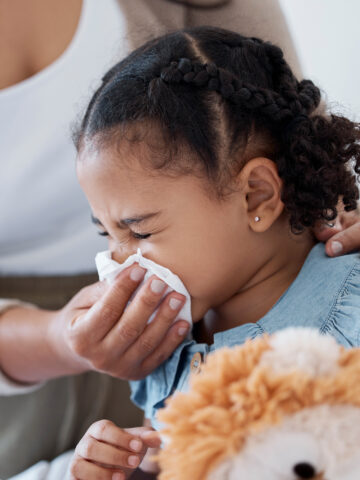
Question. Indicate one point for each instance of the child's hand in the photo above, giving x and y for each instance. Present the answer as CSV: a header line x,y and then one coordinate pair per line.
x,y
108,452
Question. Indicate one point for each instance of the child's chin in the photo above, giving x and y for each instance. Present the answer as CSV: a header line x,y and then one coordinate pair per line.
x,y
198,311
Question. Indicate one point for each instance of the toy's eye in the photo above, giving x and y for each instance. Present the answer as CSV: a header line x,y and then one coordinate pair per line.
x,y
290,455
305,470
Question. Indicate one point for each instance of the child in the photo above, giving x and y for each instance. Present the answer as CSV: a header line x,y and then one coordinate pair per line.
x,y
204,150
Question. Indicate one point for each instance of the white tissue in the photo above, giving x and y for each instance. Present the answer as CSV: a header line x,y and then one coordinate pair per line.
x,y
108,269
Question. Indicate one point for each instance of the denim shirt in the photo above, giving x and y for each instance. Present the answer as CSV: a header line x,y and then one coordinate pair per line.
x,y
325,295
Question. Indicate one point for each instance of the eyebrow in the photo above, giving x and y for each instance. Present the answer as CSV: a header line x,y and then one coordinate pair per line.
x,y
123,223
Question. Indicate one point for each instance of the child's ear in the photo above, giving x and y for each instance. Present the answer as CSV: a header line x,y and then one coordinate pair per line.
x,y
261,187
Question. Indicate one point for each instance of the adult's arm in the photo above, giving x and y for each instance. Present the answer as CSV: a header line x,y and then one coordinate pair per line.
x,y
254,18
26,358
146,19
9,386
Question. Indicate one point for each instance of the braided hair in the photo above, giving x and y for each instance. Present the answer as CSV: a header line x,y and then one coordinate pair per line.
x,y
230,98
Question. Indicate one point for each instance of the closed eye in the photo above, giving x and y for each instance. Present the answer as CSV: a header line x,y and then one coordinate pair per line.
x,y
139,236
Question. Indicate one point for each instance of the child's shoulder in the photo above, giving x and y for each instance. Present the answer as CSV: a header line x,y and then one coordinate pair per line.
x,y
336,269
343,321
332,279
326,295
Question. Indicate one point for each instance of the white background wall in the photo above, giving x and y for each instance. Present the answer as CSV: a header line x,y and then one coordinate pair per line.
x,y
327,36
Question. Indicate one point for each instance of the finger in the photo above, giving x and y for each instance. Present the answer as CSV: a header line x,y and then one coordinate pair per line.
x,y
171,341
95,451
90,294
155,332
323,231
105,313
151,438
344,242
136,316
139,431
82,469
349,218
106,431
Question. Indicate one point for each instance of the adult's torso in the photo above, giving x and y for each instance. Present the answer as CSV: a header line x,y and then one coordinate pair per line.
x,y
45,219
43,213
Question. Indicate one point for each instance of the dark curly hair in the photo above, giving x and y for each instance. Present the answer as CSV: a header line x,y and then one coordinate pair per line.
x,y
229,98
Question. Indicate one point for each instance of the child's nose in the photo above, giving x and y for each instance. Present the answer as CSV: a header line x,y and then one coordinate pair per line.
x,y
121,256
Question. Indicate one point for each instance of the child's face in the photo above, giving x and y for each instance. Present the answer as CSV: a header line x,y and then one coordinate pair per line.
x,y
202,240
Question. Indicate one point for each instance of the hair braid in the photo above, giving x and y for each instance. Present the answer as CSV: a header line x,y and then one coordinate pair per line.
x,y
230,87
267,112
303,162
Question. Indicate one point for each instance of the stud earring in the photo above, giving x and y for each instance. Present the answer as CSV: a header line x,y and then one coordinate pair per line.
x,y
257,219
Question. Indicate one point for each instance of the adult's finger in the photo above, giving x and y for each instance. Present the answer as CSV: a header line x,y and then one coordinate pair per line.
x,y
170,342
323,231
345,241
135,318
349,218
155,332
88,295
96,323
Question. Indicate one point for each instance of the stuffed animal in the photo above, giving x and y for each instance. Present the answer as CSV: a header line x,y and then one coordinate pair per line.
x,y
281,407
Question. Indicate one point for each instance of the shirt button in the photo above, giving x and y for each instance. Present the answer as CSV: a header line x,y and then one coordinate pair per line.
x,y
195,365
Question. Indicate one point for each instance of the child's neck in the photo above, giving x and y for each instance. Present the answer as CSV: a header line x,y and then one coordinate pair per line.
x,y
261,292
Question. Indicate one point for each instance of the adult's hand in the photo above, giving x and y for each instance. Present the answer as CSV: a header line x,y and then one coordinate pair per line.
x,y
94,331
343,237
105,336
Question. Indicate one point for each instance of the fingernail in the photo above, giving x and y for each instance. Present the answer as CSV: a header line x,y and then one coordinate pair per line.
x,y
336,248
175,303
135,445
151,436
182,331
137,273
117,476
157,286
133,460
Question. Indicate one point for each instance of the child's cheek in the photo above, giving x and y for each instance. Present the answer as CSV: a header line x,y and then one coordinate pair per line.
x,y
198,309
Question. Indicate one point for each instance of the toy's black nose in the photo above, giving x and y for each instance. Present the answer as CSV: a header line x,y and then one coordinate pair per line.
x,y
305,470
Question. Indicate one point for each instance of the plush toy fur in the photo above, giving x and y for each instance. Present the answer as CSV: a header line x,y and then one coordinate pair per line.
x,y
255,411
